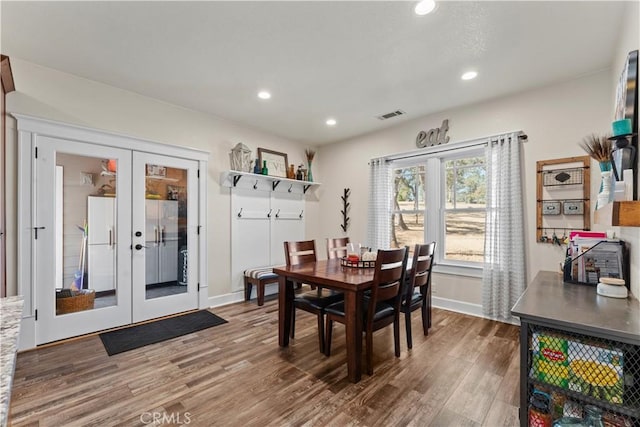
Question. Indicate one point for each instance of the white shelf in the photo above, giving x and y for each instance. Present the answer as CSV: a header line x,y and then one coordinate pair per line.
x,y
231,178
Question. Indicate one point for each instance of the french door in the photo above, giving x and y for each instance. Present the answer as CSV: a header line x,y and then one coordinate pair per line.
x,y
67,174
165,233
115,236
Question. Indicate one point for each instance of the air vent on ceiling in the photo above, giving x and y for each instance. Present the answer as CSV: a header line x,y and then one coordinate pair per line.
x,y
391,114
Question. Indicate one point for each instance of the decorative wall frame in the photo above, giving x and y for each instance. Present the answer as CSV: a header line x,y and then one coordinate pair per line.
x,y
562,197
276,162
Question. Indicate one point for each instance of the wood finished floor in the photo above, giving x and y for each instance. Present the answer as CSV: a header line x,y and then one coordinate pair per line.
x,y
465,373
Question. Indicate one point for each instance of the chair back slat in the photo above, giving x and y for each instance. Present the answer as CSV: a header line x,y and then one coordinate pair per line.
x,y
388,276
421,267
337,248
300,252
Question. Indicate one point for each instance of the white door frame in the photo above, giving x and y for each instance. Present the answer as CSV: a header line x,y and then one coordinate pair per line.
x,y
30,131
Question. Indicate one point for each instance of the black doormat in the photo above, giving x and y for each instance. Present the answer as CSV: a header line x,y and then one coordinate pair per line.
x,y
150,333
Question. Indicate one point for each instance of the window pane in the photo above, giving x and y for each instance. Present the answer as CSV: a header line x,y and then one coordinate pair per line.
x,y
465,183
464,236
409,206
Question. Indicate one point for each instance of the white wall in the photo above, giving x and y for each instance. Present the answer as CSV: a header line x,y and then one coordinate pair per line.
x,y
555,118
629,40
51,94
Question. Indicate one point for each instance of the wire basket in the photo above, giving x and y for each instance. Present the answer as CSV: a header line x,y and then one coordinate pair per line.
x,y
586,370
357,264
77,301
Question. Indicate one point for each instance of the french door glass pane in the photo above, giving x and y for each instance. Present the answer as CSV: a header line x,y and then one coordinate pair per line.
x,y
85,233
166,231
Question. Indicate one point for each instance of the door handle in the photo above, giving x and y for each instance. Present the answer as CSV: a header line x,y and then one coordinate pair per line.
x,y
110,238
162,234
156,237
139,246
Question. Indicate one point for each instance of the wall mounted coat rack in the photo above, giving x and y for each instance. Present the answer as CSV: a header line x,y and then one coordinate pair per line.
x,y
345,209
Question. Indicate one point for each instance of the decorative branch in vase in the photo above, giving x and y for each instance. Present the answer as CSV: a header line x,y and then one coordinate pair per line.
x,y
310,155
599,148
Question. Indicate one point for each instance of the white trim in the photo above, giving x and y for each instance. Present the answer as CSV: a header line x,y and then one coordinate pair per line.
x,y
458,270
226,299
465,308
234,297
45,127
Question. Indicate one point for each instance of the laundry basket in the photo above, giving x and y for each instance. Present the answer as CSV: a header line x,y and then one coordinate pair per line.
x,y
68,301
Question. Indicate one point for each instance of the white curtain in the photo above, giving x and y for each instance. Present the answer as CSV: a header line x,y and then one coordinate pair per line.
x,y
380,199
504,266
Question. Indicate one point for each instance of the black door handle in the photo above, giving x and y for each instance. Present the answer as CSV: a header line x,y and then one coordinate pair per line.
x,y
139,246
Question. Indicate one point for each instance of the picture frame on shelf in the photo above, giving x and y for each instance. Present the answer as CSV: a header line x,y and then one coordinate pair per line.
x,y
276,162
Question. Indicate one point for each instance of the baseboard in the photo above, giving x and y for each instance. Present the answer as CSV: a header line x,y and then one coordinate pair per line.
x,y
466,308
238,296
444,303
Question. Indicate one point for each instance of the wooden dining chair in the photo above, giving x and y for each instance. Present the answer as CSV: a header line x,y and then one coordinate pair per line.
x,y
382,307
418,288
337,247
300,253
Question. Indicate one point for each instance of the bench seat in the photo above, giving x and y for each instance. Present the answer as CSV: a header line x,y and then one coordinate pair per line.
x,y
259,277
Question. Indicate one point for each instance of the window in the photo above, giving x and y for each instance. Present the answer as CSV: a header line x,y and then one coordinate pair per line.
x,y
442,198
464,209
409,207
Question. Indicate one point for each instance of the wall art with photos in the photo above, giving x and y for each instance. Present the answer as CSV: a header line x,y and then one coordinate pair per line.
x,y
627,105
276,162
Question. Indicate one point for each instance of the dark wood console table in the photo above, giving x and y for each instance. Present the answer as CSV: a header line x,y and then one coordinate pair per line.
x,y
549,304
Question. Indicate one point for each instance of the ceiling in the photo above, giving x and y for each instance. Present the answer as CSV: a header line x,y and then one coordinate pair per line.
x,y
351,61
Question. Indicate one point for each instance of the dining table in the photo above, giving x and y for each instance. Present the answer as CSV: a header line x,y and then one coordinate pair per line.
x,y
329,274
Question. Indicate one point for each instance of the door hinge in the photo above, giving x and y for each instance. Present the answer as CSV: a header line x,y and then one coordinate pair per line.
x,y
36,314
198,286
198,173
199,229
36,152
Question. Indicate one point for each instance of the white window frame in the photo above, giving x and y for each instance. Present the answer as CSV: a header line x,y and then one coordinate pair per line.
x,y
434,229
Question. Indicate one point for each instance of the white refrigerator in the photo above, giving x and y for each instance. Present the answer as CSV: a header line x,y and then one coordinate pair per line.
x,y
161,235
101,248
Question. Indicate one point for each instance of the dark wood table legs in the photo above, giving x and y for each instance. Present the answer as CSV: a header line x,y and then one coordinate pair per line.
x,y
353,312
285,303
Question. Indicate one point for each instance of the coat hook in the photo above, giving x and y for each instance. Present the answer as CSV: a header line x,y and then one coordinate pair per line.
x,y
278,214
255,186
269,214
240,213
301,213
290,187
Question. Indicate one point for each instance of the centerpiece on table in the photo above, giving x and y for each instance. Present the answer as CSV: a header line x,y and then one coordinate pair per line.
x,y
599,148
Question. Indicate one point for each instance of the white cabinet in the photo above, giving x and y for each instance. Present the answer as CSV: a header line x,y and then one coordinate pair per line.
x,y
101,248
161,235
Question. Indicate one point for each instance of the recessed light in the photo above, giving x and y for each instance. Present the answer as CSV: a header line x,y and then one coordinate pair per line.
x,y
425,7
331,122
469,75
263,94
